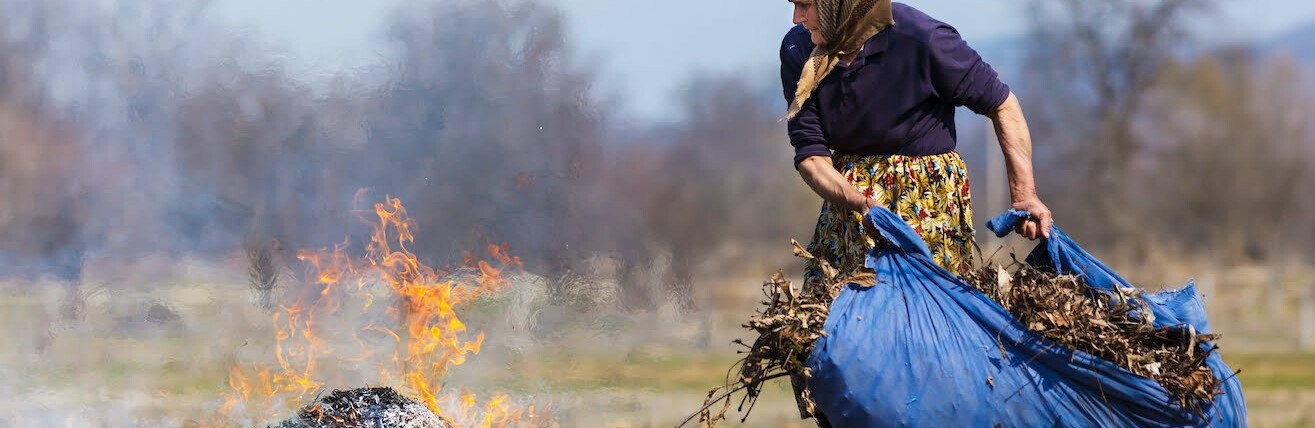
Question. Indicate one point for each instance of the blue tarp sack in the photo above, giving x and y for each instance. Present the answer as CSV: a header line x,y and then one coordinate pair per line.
x,y
923,348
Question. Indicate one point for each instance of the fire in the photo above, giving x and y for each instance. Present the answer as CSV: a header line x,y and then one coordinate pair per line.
x,y
401,315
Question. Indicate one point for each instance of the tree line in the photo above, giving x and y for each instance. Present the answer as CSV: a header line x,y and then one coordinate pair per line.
x,y
150,128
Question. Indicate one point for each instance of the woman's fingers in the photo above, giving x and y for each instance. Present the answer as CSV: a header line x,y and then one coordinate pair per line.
x,y
1029,229
1043,223
1037,225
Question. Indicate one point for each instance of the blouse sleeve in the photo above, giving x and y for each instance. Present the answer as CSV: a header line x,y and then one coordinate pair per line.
x,y
805,128
959,75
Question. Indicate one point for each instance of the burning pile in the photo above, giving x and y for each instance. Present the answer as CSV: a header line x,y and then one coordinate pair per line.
x,y
1114,325
384,318
365,407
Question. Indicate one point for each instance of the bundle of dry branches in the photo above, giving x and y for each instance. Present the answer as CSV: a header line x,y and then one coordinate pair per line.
x,y
788,325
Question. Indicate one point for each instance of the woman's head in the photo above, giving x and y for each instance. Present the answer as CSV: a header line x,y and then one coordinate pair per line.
x,y
837,27
805,13
842,25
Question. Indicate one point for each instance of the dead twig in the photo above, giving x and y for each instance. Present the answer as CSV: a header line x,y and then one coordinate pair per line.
x,y
724,396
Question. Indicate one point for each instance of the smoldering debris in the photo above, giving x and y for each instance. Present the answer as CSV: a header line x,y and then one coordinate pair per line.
x,y
376,407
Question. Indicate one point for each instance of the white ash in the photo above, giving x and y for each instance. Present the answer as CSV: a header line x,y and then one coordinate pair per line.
x,y
365,408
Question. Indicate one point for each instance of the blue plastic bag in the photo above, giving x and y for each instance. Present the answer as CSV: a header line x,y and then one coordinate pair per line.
x,y
922,348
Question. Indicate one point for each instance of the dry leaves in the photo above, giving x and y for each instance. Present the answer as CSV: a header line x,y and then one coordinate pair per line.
x,y
1115,325
788,325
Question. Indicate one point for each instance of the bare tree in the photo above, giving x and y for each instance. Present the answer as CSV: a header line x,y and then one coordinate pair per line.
x,y
1234,147
250,144
1089,71
40,222
717,181
490,130
112,70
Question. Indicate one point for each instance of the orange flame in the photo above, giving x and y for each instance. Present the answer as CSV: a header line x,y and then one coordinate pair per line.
x,y
429,339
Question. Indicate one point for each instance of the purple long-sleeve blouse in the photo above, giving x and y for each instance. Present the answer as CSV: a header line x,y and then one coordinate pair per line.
x,y
896,97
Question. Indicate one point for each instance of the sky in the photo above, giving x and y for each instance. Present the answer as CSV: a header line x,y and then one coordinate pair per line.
x,y
644,50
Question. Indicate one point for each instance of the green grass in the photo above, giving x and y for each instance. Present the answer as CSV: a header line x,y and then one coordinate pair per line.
x,y
643,369
661,368
583,376
1274,371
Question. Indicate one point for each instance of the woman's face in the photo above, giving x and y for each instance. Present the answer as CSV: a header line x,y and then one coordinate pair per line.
x,y
805,12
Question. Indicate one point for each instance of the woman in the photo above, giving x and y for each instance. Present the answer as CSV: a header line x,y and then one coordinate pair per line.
x,y
872,88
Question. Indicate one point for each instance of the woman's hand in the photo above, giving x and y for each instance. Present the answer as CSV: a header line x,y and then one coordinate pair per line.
x,y
1038,225
870,229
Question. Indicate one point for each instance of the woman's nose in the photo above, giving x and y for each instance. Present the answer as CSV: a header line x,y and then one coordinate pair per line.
x,y
798,15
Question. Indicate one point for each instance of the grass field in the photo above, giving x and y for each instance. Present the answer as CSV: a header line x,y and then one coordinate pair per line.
x,y
155,351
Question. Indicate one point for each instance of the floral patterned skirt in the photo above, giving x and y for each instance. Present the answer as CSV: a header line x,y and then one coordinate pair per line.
x,y
929,192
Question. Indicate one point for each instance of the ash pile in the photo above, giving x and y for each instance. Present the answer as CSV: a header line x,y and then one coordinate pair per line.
x,y
379,407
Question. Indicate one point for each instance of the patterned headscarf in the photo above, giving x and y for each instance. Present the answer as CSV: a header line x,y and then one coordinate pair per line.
x,y
845,26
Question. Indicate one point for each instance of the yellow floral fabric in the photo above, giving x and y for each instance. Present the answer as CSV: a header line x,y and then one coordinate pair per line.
x,y
929,192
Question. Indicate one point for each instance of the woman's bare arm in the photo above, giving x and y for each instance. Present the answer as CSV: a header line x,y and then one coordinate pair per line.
x,y
1016,143
823,178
